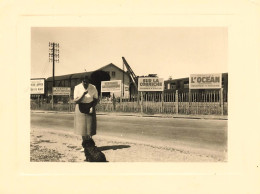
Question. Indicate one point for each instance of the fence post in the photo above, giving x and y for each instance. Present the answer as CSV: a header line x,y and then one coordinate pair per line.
x,y
176,102
146,99
114,102
138,97
39,101
52,100
141,102
189,111
221,101
100,98
162,99
69,103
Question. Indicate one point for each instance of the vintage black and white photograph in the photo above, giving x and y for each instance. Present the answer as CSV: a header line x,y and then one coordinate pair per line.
x,y
130,97
129,94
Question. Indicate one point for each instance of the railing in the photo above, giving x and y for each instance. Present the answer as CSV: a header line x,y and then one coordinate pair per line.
x,y
204,103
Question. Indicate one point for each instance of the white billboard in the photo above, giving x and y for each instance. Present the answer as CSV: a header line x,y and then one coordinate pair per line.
x,y
205,81
37,86
111,86
150,84
61,91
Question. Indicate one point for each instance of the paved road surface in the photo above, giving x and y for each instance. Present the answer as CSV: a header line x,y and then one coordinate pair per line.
x,y
208,137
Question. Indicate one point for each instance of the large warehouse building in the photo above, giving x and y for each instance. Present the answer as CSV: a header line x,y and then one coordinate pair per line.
x,y
106,73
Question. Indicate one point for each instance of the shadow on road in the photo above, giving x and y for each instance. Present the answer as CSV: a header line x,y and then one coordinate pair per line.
x,y
113,147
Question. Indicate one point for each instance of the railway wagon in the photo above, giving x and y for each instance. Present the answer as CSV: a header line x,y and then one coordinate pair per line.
x,y
182,85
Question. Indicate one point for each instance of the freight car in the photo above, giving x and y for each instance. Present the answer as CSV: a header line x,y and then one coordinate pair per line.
x,y
182,85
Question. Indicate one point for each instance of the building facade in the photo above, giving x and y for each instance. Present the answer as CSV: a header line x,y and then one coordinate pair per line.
x,y
106,73
116,73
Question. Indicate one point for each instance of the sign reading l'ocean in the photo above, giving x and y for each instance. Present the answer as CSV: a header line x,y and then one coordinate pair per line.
x,y
205,81
150,84
111,86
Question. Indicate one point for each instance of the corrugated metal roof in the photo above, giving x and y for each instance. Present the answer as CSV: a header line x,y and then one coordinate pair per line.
x,y
80,75
70,76
61,77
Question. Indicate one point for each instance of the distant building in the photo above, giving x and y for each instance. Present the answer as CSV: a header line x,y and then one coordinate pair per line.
x,y
106,73
116,73
182,85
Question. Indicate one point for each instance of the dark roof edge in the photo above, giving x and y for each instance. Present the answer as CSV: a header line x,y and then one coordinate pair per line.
x,y
89,72
37,78
109,65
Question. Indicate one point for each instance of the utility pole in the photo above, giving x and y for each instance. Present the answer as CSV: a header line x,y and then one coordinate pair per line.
x,y
53,57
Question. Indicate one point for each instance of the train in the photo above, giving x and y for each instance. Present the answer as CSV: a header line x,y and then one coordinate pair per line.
x,y
182,85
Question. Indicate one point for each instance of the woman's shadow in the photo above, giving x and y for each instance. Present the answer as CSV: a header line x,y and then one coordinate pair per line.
x,y
113,147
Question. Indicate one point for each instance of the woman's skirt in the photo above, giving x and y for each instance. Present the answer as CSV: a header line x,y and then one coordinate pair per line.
x,y
84,124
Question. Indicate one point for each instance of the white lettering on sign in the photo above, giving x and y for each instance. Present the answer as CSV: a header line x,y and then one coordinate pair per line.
x,y
111,86
150,84
37,86
205,81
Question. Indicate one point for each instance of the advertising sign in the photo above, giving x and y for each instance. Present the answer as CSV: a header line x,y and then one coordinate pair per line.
x,y
37,86
61,91
111,86
150,84
205,81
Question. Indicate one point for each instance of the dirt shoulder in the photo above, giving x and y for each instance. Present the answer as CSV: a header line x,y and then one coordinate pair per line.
x,y
49,145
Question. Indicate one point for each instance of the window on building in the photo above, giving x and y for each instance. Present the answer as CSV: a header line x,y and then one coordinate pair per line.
x,y
186,84
173,86
113,74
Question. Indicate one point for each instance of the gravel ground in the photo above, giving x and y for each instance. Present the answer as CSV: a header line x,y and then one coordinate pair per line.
x,y
58,146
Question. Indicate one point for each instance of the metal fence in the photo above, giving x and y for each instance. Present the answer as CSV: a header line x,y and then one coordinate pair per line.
x,y
197,103
203,103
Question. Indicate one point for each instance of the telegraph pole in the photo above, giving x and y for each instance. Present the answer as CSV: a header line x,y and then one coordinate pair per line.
x,y
53,64
53,57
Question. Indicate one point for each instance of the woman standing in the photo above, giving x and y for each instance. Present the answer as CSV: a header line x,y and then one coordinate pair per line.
x,y
85,122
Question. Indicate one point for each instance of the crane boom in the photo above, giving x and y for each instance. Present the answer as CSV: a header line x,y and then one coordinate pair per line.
x,y
132,74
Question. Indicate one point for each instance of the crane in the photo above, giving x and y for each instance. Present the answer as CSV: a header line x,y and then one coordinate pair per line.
x,y
131,73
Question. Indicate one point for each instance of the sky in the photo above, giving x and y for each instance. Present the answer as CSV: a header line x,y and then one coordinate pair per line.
x,y
165,51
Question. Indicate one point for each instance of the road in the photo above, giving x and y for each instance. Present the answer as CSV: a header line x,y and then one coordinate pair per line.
x,y
207,137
